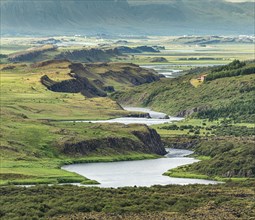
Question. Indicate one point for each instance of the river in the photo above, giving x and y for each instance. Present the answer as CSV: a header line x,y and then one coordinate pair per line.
x,y
141,172
156,118
173,70
138,173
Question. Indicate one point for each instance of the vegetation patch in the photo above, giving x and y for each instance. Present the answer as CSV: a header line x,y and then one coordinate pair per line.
x,y
235,68
227,97
231,201
182,172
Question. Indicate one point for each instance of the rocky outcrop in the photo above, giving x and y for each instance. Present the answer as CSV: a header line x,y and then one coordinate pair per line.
x,y
158,60
151,140
75,85
124,49
239,173
89,55
30,54
180,142
47,62
124,73
95,79
144,142
8,68
191,111
140,49
139,115
147,49
108,89
48,41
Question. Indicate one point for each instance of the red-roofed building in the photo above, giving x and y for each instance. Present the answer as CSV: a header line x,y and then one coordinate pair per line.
x,y
202,78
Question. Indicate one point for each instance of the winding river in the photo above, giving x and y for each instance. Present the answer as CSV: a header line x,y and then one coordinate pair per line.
x,y
141,172
138,173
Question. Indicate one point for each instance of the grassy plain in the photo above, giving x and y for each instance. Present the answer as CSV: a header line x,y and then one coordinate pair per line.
x,y
193,55
176,54
22,92
205,127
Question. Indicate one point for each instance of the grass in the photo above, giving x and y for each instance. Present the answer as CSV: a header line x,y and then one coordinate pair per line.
x,y
29,114
22,92
46,171
195,82
29,151
232,200
221,157
29,139
32,130
221,53
224,156
177,53
225,97
183,172
186,171
186,122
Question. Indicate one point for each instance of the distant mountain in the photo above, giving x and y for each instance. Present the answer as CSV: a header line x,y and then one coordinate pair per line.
x,y
171,17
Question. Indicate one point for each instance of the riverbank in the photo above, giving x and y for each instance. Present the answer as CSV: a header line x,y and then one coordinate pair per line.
x,y
140,173
221,163
43,164
48,171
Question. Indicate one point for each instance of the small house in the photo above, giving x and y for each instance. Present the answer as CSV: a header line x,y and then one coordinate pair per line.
x,y
202,78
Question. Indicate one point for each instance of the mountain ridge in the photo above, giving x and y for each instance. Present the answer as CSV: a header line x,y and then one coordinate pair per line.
x,y
122,17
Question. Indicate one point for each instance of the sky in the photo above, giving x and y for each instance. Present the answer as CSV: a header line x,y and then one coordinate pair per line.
x,y
166,1
240,0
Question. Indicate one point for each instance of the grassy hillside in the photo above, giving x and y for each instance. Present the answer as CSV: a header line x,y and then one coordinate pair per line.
x,y
23,95
119,75
226,97
50,51
221,158
91,80
36,136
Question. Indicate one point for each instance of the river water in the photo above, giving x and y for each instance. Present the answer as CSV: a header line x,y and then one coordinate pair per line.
x,y
141,172
138,173
172,70
156,118
167,70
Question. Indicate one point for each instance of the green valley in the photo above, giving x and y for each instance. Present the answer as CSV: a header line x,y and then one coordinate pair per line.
x,y
46,96
127,110
35,131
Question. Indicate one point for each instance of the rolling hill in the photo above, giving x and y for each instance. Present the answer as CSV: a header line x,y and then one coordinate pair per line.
x,y
227,91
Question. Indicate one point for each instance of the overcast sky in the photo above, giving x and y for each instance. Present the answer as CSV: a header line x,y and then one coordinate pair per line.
x,y
165,1
240,0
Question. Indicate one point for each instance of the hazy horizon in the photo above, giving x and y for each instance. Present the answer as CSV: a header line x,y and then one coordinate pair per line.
x,y
140,17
